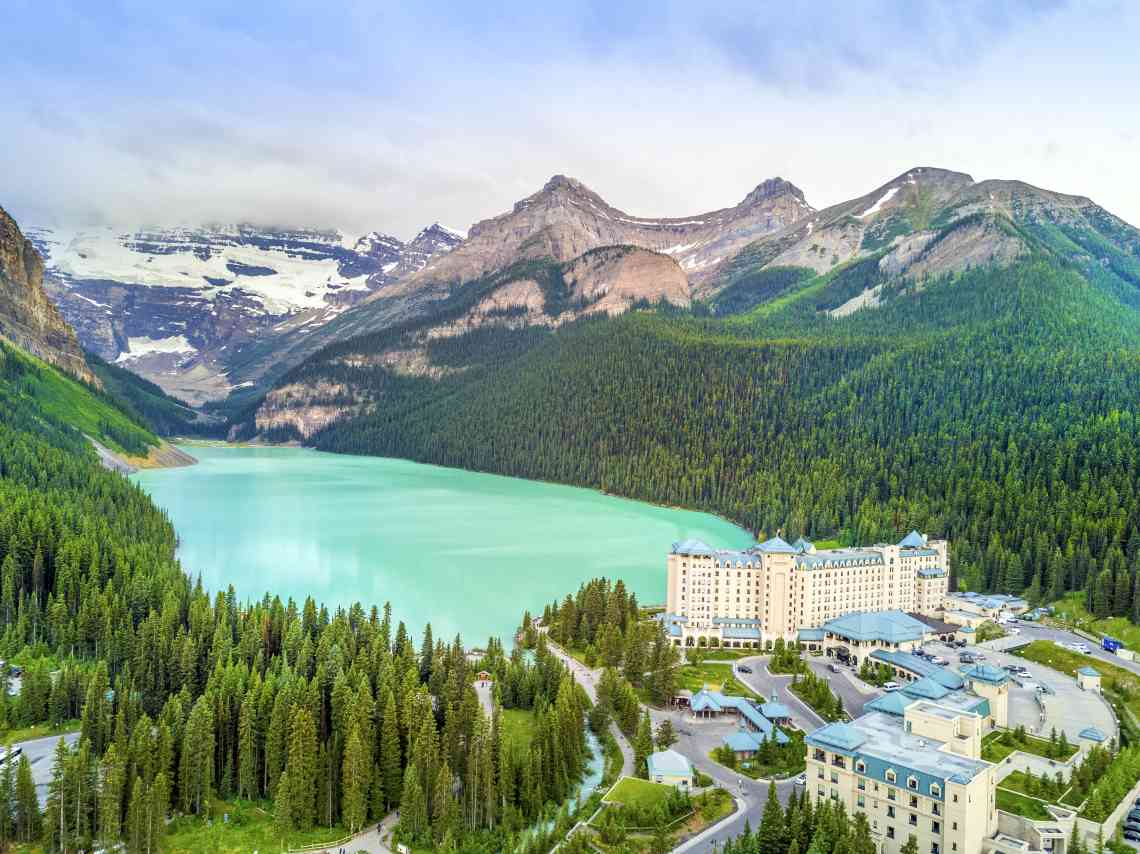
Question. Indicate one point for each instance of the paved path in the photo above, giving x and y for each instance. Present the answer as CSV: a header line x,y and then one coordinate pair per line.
x,y
588,679
486,693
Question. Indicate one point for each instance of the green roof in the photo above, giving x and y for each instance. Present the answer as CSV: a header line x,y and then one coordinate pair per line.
x,y
889,626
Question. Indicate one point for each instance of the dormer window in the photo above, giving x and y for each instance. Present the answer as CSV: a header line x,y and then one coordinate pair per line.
x,y
890,775
912,783
860,766
935,790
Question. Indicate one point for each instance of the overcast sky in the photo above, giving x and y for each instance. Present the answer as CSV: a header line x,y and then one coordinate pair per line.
x,y
388,116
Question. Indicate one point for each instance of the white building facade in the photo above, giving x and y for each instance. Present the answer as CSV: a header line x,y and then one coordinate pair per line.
x,y
775,589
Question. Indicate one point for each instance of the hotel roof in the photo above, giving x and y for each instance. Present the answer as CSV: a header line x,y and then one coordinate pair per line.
x,y
776,545
986,673
668,763
989,600
742,739
920,667
889,626
913,540
838,557
881,741
1088,671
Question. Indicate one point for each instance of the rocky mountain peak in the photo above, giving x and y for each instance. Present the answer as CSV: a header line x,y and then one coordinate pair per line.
x,y
27,317
771,189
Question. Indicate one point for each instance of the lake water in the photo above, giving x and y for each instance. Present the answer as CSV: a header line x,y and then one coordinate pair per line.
x,y
468,552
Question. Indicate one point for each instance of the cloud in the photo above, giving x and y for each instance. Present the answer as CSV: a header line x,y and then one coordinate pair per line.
x,y
390,116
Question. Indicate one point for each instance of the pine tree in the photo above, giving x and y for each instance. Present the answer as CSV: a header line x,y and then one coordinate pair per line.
x,y
665,737
772,830
354,781
112,777
283,814
643,746
302,768
391,775
28,818
413,805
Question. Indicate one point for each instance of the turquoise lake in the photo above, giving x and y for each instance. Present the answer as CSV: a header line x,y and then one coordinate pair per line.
x,y
468,552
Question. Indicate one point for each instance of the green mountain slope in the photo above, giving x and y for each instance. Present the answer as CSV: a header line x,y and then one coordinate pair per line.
x,y
998,407
37,398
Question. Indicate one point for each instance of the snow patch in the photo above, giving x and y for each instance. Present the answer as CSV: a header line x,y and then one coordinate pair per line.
x,y
139,347
875,208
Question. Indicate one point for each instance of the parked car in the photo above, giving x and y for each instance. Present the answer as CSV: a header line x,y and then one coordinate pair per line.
x,y
1132,835
891,686
744,668
1013,630
959,643
834,668
801,780
938,659
1135,814
966,658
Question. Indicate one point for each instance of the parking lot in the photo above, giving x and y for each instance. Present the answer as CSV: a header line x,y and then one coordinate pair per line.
x,y
1067,707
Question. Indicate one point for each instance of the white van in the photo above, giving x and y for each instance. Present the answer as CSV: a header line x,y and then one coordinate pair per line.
x,y
891,686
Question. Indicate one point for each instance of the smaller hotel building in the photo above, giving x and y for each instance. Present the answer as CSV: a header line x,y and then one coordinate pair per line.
x,y
917,774
775,589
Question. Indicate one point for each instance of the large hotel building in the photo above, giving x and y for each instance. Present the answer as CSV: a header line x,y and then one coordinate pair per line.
x,y
775,589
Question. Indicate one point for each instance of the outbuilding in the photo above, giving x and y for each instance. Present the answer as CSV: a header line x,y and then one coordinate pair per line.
x,y
671,768
1088,678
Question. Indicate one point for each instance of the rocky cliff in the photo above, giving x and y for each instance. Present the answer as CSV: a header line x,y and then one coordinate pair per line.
x,y
27,317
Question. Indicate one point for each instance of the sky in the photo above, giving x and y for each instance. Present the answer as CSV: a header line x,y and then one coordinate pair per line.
x,y
390,116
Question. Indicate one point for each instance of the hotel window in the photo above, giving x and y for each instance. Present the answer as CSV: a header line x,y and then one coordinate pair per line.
x,y
890,775
936,827
834,777
912,783
913,802
890,811
935,790
890,833
860,766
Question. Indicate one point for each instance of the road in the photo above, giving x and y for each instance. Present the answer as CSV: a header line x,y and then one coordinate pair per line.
x,y
39,752
1032,631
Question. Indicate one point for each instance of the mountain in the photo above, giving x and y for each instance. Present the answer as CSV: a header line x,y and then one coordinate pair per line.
x,y
929,222
177,306
586,257
28,318
565,219
953,355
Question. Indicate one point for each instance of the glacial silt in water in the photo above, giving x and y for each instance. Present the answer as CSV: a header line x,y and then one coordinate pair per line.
x,y
467,551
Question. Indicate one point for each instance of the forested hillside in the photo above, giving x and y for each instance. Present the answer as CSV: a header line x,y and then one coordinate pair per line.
x,y
997,407
184,697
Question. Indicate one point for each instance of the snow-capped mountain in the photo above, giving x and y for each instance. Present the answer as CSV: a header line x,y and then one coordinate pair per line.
x,y
180,305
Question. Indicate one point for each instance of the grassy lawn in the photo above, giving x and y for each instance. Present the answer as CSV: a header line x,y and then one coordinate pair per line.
x,y
998,745
1071,611
38,731
728,654
636,792
250,828
518,726
1118,683
1018,804
1021,783
715,677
